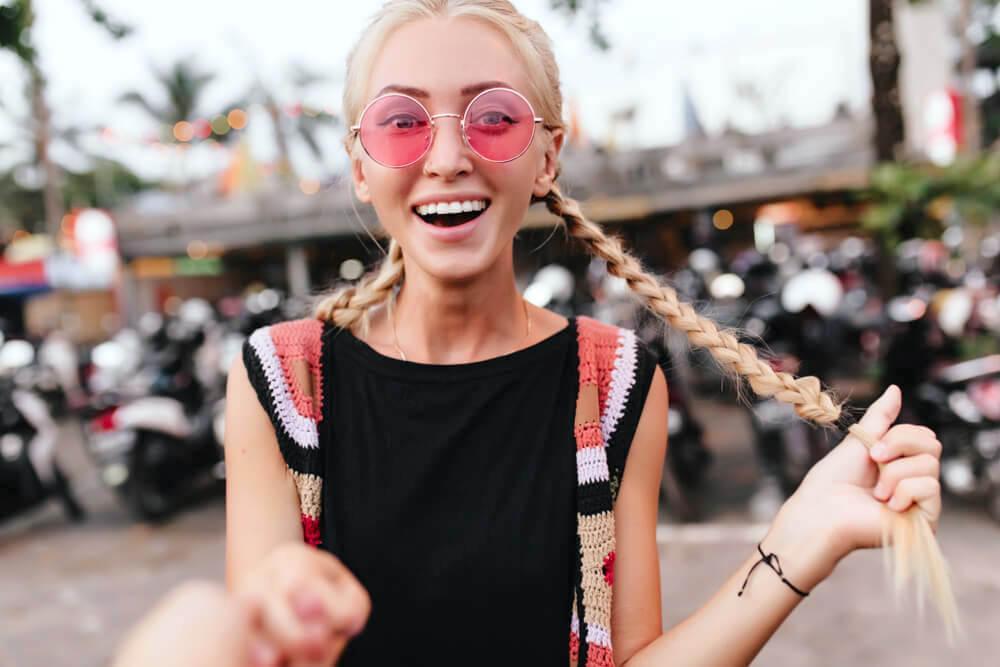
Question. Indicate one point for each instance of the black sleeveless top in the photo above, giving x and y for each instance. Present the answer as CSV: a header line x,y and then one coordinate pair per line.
x,y
450,494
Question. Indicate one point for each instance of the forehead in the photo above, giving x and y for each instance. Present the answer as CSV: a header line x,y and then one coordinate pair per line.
x,y
444,55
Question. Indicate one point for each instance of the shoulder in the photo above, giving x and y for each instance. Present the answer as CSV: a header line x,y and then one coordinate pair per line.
x,y
301,338
283,365
613,358
622,366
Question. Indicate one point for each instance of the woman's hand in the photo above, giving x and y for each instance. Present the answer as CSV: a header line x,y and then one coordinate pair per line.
x,y
841,502
306,607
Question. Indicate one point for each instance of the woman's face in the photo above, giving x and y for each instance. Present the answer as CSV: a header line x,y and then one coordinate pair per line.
x,y
444,63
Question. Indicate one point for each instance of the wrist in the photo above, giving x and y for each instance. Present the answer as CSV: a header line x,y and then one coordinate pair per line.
x,y
807,549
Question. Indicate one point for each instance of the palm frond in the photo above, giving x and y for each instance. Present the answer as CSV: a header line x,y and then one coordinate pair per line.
x,y
141,101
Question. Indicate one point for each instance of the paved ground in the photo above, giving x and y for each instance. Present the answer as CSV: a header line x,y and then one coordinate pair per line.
x,y
67,593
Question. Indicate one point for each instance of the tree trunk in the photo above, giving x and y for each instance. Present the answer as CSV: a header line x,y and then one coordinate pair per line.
x,y
52,193
883,62
972,123
884,59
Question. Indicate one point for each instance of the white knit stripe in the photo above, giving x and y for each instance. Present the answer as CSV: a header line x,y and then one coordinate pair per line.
x,y
591,465
598,634
574,624
302,430
622,380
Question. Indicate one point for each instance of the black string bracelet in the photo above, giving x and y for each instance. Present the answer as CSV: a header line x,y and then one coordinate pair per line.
x,y
771,560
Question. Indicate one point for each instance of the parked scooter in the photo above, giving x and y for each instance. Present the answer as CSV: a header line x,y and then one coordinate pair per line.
x,y
29,474
799,329
960,401
161,450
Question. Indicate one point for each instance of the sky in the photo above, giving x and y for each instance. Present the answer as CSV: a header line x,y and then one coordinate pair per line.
x,y
803,57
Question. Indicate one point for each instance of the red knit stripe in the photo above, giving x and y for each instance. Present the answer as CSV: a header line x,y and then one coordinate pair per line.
x,y
599,656
574,648
598,349
301,339
588,434
310,530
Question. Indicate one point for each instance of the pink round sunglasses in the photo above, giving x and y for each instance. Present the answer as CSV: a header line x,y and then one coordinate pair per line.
x,y
396,130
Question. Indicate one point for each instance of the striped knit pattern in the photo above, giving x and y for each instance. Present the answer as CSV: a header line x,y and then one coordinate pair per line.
x,y
607,369
283,362
281,358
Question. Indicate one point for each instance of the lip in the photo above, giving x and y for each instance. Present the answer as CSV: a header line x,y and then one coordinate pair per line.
x,y
449,234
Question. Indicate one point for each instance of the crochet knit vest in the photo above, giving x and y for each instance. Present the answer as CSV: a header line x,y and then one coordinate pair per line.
x,y
286,357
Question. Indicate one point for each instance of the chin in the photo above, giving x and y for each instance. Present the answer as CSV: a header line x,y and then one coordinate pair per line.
x,y
452,268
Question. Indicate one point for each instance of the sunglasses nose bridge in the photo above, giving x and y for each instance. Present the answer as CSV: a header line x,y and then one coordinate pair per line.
x,y
461,127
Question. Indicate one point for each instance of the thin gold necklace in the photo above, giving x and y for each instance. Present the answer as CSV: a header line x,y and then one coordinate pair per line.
x,y
395,337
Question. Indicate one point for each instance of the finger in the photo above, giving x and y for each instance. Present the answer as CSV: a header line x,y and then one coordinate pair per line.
x,y
906,440
344,606
921,465
882,413
284,629
924,491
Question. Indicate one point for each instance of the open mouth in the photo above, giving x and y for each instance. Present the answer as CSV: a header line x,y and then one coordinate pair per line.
x,y
451,214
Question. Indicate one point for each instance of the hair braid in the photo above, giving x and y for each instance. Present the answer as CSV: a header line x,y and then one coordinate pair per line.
x,y
736,358
348,307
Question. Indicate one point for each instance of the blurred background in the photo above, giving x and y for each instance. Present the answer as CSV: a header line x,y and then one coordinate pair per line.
x,y
824,175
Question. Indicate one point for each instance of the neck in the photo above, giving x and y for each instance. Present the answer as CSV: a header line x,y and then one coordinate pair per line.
x,y
453,323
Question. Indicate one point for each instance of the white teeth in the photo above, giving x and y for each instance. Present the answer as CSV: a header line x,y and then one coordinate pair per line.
x,y
443,208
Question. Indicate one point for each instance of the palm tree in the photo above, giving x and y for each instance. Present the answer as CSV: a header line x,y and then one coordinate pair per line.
x,y
883,62
17,18
302,125
184,86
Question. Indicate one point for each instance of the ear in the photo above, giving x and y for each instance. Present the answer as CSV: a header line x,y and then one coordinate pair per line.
x,y
360,182
549,163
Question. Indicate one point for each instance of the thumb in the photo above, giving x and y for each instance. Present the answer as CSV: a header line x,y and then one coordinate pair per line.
x,y
883,412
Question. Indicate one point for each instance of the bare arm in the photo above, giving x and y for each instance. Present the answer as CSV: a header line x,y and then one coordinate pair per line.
x,y
636,616
839,507
262,507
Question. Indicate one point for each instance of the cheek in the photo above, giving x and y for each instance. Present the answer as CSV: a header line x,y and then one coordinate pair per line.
x,y
390,189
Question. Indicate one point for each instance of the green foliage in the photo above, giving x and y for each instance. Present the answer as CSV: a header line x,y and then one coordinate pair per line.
x,y
116,29
16,18
915,201
106,185
593,9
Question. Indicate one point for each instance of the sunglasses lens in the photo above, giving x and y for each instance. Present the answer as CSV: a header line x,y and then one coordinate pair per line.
x,y
499,125
395,131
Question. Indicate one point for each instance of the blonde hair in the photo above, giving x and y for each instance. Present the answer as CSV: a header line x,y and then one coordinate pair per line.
x,y
349,306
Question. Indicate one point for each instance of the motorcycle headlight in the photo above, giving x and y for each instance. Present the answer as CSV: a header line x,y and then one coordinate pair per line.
x,y
988,443
957,476
675,421
962,405
11,446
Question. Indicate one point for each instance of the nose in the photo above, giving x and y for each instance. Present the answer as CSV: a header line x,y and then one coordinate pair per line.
x,y
448,157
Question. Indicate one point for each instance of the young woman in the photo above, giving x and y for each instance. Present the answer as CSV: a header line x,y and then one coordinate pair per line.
x,y
481,475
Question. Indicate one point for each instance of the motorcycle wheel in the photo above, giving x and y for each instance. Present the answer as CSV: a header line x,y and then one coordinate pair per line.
x,y
71,506
993,503
143,494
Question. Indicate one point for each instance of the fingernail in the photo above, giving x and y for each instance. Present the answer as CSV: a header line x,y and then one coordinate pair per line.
x,y
263,654
308,605
879,493
878,451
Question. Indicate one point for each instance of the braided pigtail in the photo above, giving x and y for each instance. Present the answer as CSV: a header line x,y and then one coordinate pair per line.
x,y
735,358
348,306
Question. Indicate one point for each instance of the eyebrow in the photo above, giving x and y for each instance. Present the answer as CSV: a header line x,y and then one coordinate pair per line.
x,y
420,93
